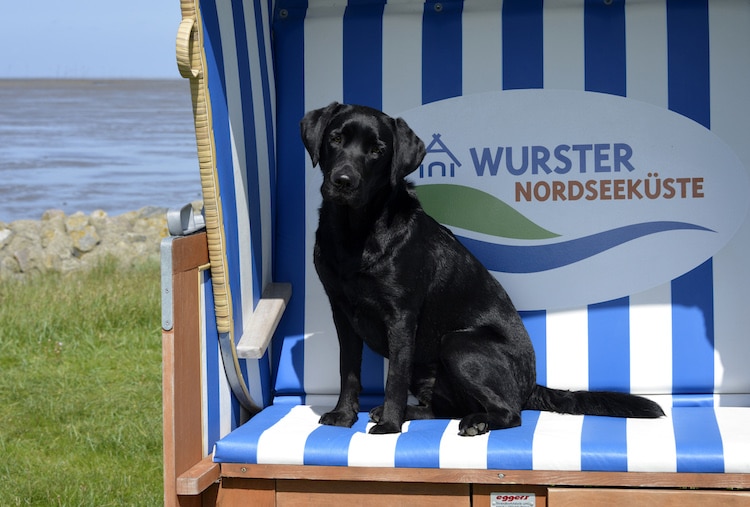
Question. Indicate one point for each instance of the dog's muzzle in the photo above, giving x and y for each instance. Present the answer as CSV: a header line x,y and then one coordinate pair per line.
x,y
345,179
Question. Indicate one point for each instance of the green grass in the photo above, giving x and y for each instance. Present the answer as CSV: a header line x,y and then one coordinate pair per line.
x,y
80,388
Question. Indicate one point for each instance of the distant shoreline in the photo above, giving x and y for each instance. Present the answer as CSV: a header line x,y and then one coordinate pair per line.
x,y
78,81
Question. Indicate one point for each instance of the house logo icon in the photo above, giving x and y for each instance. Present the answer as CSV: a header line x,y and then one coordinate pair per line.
x,y
439,161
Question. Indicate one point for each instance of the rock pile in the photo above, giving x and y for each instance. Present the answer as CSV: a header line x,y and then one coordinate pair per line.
x,y
68,243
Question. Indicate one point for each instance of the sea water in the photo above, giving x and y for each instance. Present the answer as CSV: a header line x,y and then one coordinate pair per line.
x,y
87,145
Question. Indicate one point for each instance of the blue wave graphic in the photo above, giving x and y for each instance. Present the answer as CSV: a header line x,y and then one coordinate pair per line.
x,y
535,258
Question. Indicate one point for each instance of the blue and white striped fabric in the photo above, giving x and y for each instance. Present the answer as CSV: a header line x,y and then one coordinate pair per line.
x,y
220,408
241,109
680,338
689,439
683,342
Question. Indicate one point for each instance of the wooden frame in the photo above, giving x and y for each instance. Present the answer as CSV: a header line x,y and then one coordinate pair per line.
x,y
192,479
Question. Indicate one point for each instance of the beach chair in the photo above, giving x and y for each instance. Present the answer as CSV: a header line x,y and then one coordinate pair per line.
x,y
593,154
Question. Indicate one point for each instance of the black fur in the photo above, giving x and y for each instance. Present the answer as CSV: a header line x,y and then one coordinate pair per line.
x,y
400,282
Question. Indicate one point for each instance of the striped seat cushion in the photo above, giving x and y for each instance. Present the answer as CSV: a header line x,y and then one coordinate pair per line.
x,y
689,439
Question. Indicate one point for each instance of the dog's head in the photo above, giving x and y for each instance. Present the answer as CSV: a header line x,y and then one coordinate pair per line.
x,y
360,151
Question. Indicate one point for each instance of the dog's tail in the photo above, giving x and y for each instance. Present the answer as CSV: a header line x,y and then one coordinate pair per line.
x,y
592,403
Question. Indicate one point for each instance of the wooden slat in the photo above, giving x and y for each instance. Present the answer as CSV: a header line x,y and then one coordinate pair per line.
x,y
259,331
530,477
246,492
189,252
198,478
183,439
370,494
574,497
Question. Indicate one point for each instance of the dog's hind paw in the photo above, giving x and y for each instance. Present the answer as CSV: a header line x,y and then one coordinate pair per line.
x,y
376,414
473,425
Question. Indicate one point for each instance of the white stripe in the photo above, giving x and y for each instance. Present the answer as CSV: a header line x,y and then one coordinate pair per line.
x,y
733,425
237,136
323,84
402,57
254,381
564,66
651,444
367,450
482,47
225,397
651,341
730,120
646,52
284,442
462,452
557,442
243,222
324,35
567,349
204,366
261,140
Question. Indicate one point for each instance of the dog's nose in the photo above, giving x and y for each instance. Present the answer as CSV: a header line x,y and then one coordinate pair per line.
x,y
342,180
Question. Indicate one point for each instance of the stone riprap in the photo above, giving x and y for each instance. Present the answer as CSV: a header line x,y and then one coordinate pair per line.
x,y
67,243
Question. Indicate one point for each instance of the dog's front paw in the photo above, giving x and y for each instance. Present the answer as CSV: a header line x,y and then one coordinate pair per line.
x,y
339,418
384,428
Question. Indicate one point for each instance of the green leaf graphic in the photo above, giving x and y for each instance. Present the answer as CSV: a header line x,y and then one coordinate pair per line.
x,y
474,210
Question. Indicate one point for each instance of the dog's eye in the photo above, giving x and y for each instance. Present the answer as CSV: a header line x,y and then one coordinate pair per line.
x,y
376,150
336,139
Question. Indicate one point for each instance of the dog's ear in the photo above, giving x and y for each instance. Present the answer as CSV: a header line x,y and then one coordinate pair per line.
x,y
408,151
313,125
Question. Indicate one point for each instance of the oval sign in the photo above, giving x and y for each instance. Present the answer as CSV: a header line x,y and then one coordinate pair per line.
x,y
573,198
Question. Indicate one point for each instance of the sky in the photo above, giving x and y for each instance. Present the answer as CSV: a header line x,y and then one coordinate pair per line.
x,y
89,38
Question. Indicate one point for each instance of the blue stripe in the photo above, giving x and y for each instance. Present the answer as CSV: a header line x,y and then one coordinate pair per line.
x,y
698,440
536,325
692,294
289,45
363,84
512,448
604,45
523,44
224,166
441,50
693,331
261,29
363,54
604,446
213,407
609,345
328,446
250,175
241,445
265,378
688,69
420,446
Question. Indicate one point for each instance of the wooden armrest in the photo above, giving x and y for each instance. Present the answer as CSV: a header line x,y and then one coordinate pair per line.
x,y
258,332
198,478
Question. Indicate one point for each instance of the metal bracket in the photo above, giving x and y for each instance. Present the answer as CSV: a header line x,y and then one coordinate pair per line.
x,y
184,221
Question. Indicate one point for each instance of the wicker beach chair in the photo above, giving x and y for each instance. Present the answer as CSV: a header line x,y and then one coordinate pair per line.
x,y
592,154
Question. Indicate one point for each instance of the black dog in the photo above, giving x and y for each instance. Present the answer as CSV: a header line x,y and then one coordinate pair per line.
x,y
403,284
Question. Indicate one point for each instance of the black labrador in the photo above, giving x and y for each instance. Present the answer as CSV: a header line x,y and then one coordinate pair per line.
x,y
402,283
